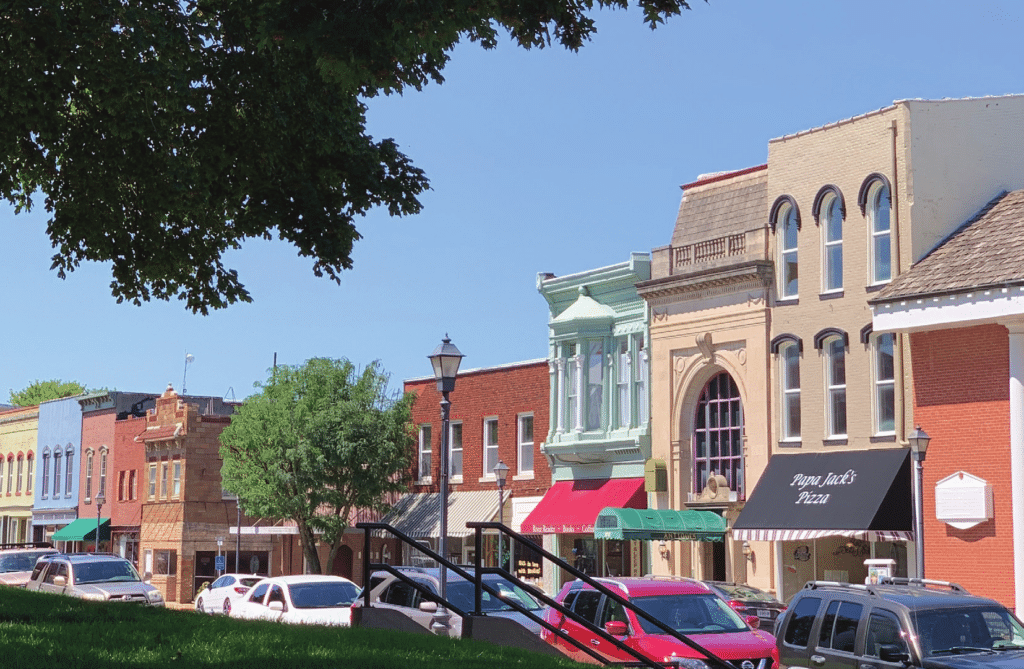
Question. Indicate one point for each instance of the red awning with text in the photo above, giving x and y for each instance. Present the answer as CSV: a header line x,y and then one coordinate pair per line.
x,y
571,507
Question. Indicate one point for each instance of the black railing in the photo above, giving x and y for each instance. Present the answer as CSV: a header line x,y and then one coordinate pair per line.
x,y
480,587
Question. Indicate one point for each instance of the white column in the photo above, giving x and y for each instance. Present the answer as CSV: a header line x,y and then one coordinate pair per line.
x,y
558,394
1017,458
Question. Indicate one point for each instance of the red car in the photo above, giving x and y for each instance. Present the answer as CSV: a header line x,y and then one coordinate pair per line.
x,y
688,606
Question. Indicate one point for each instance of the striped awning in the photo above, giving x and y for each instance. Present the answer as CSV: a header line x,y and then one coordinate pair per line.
x,y
418,514
805,535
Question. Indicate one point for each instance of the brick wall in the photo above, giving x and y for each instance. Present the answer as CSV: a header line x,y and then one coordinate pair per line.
x,y
961,381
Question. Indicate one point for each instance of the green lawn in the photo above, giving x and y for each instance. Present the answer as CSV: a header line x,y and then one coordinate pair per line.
x,y
40,631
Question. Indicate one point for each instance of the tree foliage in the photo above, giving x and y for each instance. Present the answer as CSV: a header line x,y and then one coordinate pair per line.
x,y
163,134
41,391
315,443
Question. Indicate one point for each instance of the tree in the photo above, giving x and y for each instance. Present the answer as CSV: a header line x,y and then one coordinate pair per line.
x,y
315,443
163,134
41,391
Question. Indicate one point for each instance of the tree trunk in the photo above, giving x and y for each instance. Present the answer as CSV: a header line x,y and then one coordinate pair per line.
x,y
308,540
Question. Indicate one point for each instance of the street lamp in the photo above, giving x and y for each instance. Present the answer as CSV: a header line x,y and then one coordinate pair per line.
x,y
500,473
445,359
99,507
919,446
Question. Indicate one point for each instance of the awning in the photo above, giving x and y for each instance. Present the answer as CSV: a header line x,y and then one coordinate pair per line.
x,y
659,524
417,514
862,494
83,529
571,507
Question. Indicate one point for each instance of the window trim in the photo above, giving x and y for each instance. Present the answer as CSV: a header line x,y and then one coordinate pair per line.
x,y
152,489
89,454
877,383
823,202
787,392
424,449
785,210
69,473
521,471
29,472
876,185
485,473
832,389
176,478
44,473
456,478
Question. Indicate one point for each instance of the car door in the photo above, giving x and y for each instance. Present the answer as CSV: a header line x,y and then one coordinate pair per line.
x,y
883,630
795,633
249,607
612,610
587,605
50,583
275,596
837,642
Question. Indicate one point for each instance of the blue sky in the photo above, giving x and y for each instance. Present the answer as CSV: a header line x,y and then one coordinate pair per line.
x,y
540,160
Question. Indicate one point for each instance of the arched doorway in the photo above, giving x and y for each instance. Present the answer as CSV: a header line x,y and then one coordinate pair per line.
x,y
718,434
343,563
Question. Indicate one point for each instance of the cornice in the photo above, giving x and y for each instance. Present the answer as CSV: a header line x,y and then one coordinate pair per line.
x,y
757,274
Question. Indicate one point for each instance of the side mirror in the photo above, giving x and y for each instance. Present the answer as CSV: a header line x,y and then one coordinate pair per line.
x,y
60,581
428,606
891,652
276,606
753,621
616,628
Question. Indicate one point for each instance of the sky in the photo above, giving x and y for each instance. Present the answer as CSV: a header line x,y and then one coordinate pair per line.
x,y
539,161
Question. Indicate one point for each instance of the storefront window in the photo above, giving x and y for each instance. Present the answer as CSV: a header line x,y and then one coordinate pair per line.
x,y
718,434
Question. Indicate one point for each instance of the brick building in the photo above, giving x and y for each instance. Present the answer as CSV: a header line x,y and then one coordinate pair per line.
x,y
497,413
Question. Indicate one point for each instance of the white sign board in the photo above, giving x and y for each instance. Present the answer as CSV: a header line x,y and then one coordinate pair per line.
x,y
963,500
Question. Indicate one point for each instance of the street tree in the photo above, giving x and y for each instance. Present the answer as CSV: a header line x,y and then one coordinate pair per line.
x,y
41,391
160,135
317,442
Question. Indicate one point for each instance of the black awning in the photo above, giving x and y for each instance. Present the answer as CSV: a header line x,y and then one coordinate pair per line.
x,y
852,493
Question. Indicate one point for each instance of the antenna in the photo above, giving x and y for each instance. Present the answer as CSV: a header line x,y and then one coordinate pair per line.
x,y
189,359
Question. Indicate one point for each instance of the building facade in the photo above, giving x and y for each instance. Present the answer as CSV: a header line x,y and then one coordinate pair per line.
x,y
18,430
59,444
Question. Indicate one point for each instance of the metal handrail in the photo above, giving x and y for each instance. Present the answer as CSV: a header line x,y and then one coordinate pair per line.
x,y
597,585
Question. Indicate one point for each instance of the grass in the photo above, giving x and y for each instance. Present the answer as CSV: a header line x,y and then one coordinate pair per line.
x,y
42,631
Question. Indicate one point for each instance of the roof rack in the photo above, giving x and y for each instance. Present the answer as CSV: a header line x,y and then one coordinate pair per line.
x,y
607,581
672,577
923,583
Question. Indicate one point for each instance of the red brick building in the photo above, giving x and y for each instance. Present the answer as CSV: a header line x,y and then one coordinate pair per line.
x,y
497,414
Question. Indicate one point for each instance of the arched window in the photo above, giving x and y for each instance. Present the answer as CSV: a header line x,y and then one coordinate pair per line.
x,y
21,471
718,434
829,211
45,490
103,472
786,223
789,377
878,208
885,383
10,473
88,472
29,473
56,472
69,470
834,351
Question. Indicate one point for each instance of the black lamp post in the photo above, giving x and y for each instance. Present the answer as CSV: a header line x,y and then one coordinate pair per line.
x,y
501,473
99,507
919,439
445,359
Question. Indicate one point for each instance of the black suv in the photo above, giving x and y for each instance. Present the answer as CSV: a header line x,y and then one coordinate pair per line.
x,y
897,623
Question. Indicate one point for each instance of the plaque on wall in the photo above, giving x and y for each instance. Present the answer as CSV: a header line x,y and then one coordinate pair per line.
x,y
963,500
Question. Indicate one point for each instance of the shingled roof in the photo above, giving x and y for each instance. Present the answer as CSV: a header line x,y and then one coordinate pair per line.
x,y
984,252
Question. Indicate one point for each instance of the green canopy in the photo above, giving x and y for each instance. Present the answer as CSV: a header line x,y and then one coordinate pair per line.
x,y
655,524
83,529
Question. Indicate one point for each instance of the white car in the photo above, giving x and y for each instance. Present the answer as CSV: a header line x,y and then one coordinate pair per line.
x,y
224,592
306,599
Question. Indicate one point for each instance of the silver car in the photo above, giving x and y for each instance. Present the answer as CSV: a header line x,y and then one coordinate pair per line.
x,y
96,577
17,561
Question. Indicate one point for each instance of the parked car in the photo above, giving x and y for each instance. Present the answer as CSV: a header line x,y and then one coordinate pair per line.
x,y
686,605
311,599
92,576
390,592
227,589
747,601
17,561
898,623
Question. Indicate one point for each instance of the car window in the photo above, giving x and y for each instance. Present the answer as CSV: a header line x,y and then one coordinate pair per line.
x,y
399,593
570,597
105,571
276,595
612,611
40,566
219,583
323,595
798,633
745,592
883,630
689,614
22,561
56,569
258,592
839,626
248,582
943,631
586,605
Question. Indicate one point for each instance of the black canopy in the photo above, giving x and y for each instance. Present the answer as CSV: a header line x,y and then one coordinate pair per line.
x,y
852,493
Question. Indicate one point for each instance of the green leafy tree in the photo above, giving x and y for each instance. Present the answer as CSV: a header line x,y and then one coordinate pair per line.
x,y
41,391
162,134
315,443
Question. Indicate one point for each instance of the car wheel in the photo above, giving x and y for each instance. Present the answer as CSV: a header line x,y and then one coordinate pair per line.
x,y
227,606
199,606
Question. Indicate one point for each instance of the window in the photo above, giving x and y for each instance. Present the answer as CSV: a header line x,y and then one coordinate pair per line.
x,y
103,472
46,473
29,474
525,444
787,227
490,445
165,563
21,463
424,453
879,205
572,385
152,481
132,484
10,474
623,377
883,630
831,222
835,381
69,471
56,472
595,384
88,473
718,434
789,359
122,491
164,472
839,626
1,475
641,379
455,451
176,484
885,384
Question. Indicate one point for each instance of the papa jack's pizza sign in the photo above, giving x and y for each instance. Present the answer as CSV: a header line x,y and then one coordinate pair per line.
x,y
816,489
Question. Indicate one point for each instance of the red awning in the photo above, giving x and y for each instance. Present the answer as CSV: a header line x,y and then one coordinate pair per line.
x,y
571,507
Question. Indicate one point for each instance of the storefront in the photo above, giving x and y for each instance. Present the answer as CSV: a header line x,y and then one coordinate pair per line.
x,y
417,515
825,513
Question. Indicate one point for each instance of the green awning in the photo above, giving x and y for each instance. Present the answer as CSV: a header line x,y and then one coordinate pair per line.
x,y
83,529
656,524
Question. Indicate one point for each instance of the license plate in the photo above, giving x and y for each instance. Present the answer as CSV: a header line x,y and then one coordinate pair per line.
x,y
764,613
